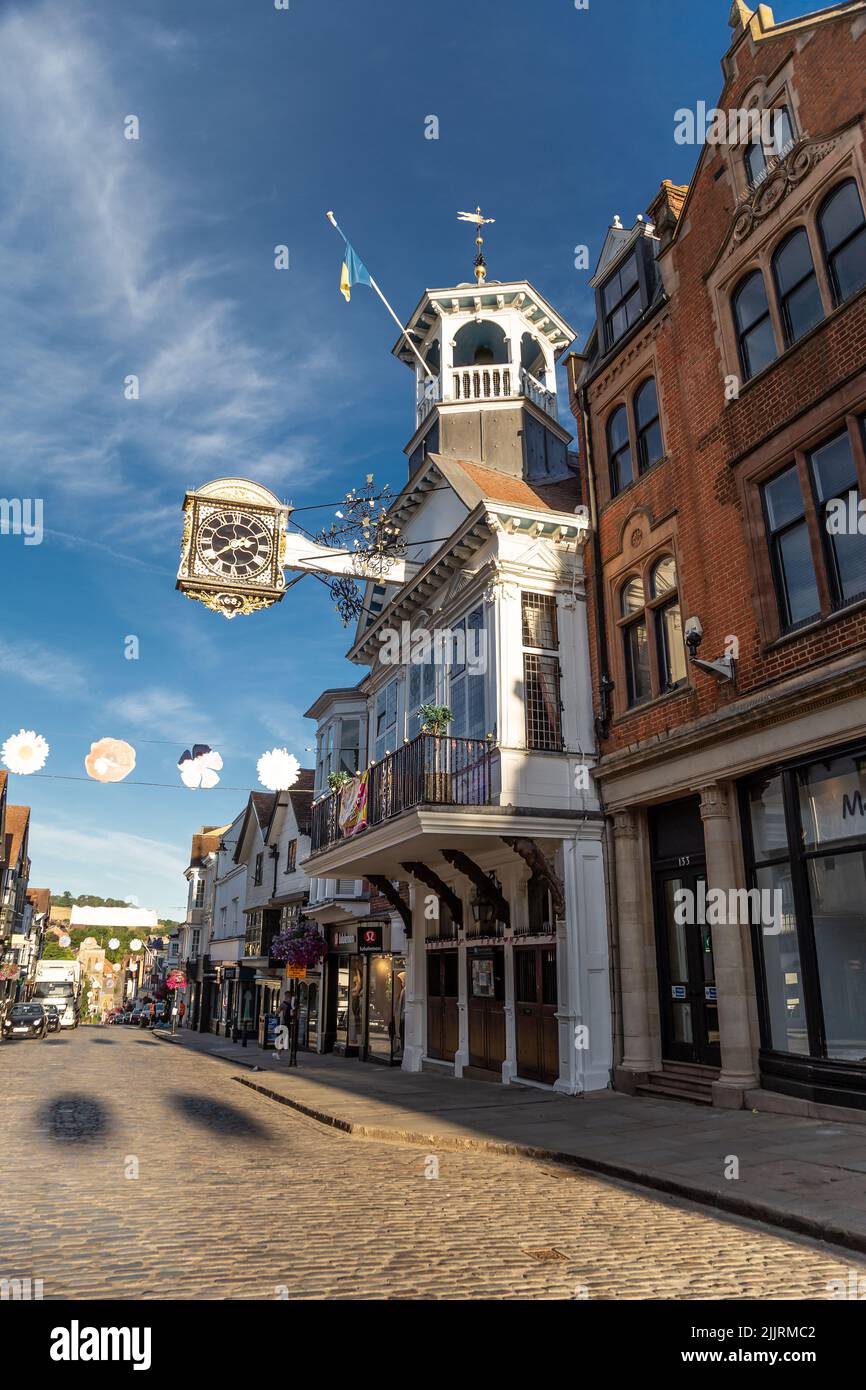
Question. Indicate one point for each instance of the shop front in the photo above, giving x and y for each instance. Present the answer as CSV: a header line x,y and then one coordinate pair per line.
x,y
805,832
365,994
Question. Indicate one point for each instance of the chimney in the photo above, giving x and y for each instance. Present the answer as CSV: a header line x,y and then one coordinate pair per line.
x,y
664,210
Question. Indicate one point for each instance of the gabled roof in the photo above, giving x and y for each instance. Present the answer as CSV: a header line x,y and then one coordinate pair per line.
x,y
17,822
259,807
300,798
205,842
40,898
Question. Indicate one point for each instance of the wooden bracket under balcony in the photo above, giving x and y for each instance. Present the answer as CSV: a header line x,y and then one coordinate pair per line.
x,y
387,889
487,887
540,865
431,880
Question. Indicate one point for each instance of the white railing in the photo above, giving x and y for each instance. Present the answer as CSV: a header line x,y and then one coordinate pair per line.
x,y
490,383
428,396
532,388
480,383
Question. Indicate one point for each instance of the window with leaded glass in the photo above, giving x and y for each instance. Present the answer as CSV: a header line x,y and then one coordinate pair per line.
x,y
790,549
843,234
756,341
796,286
619,451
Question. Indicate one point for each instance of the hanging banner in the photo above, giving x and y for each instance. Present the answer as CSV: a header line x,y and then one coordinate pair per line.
x,y
353,806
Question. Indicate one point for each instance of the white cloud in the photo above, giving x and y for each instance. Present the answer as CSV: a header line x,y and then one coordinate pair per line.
x,y
169,713
94,847
89,238
36,665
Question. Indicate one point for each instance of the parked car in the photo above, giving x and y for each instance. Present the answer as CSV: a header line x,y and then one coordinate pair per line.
x,y
52,1015
25,1021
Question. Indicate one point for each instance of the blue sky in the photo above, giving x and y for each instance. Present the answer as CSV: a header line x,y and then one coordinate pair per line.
x,y
156,257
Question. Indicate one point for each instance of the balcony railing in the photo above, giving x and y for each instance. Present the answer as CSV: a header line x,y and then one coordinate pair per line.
x,y
431,770
483,383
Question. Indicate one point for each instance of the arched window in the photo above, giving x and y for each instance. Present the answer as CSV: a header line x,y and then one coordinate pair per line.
x,y
651,632
796,286
619,451
755,162
756,342
480,344
843,234
648,429
635,641
668,624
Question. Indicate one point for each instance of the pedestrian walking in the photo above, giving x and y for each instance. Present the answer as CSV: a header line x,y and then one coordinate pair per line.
x,y
181,1011
153,1015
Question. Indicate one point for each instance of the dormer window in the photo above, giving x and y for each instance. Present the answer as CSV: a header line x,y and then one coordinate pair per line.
x,y
758,152
621,300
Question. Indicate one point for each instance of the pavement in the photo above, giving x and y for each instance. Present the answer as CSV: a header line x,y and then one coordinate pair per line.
x,y
136,1169
802,1175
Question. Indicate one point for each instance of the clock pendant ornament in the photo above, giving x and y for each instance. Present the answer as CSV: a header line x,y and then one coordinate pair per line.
x,y
233,548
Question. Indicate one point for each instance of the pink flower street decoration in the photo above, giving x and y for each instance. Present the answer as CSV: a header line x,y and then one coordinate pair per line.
x,y
8,972
301,946
176,980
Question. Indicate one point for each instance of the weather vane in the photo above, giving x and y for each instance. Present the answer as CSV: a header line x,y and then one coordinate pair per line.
x,y
479,221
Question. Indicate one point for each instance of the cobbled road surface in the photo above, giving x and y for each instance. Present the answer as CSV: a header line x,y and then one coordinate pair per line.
x,y
134,1169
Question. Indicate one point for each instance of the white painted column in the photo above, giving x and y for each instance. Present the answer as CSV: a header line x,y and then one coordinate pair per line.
x,y
721,841
416,987
586,1002
461,1056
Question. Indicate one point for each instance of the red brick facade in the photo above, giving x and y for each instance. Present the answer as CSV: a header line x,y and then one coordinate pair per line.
x,y
701,500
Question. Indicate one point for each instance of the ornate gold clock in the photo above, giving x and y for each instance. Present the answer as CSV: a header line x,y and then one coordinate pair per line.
x,y
233,548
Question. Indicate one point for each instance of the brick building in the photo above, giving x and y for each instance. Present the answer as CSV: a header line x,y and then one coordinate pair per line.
x,y
721,404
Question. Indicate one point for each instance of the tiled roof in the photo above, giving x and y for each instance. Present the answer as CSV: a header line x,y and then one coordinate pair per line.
x,y
489,485
40,898
264,804
301,797
17,818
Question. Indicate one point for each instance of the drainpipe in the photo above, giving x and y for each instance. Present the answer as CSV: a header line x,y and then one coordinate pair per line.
x,y
602,725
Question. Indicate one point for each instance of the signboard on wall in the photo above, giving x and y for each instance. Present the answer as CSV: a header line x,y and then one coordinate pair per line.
x,y
370,938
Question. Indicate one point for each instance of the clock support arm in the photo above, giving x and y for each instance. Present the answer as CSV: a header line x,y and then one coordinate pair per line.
x,y
300,553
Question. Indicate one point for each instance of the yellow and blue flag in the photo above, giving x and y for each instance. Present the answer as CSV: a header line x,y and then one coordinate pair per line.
x,y
354,272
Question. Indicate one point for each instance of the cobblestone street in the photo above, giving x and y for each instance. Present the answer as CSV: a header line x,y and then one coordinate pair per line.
x,y
238,1197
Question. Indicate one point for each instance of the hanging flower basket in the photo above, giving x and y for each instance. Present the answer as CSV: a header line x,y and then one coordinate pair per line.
x,y
8,972
301,946
176,980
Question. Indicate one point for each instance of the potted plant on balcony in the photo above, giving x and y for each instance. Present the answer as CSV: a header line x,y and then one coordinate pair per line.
x,y
437,778
338,780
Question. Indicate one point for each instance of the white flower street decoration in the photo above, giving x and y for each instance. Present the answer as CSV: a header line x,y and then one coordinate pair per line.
x,y
24,752
199,768
278,769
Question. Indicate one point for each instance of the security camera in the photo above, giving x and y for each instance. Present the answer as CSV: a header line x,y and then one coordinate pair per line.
x,y
694,635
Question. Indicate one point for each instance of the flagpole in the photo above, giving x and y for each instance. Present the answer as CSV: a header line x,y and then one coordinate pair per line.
x,y
373,286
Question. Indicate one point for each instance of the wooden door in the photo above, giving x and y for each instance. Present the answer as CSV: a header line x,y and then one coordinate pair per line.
x,y
535,1003
442,1013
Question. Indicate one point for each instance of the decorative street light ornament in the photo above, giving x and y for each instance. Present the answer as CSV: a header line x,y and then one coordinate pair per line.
x,y
199,768
65,941
24,752
109,760
113,944
302,947
365,532
135,944
278,769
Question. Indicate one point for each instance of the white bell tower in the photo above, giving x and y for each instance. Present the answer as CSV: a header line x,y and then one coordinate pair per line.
x,y
488,393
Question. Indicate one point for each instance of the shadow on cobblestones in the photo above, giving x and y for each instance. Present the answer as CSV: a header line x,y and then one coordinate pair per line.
x,y
216,1116
109,1041
74,1119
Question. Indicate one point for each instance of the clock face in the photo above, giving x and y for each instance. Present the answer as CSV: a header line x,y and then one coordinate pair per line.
x,y
235,544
